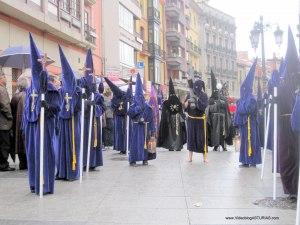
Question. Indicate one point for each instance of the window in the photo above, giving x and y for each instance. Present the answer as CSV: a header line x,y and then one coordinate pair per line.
x,y
157,71
207,38
221,64
126,20
231,45
227,64
220,41
75,8
142,32
232,65
233,87
156,35
155,4
214,39
126,54
208,60
215,61
86,18
65,5
142,8
226,43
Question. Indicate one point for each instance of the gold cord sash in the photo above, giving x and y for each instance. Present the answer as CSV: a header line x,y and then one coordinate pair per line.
x,y
145,141
95,133
205,135
73,145
249,136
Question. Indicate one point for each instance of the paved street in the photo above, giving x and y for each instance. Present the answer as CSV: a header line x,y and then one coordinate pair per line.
x,y
170,191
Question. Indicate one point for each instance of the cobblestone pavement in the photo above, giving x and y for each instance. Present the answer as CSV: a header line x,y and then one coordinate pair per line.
x,y
170,191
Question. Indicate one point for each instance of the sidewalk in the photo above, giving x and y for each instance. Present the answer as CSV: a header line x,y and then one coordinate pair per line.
x,y
170,191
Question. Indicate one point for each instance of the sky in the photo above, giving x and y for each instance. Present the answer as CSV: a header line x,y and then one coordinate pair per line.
x,y
275,12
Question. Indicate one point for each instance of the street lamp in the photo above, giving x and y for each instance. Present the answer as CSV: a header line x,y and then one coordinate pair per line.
x,y
258,31
254,38
278,33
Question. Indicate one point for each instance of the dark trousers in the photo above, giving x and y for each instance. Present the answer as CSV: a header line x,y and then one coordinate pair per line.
x,y
23,161
4,148
108,135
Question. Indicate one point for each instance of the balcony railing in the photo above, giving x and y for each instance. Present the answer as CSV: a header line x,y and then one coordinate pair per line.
x,y
145,48
156,50
90,34
153,14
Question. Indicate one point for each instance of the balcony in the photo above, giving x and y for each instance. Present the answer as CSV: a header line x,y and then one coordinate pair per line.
x,y
90,34
156,51
193,48
145,48
176,62
174,35
90,2
153,14
173,9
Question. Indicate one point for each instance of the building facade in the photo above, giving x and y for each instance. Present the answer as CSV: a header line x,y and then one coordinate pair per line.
x,y
200,38
176,32
121,40
74,24
151,28
219,45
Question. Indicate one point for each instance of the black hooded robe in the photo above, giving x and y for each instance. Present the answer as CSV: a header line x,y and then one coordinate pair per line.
x,y
218,123
196,119
288,149
172,132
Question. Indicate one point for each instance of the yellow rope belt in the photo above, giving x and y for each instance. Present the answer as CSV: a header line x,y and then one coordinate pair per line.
x,y
145,142
95,133
249,137
73,145
204,122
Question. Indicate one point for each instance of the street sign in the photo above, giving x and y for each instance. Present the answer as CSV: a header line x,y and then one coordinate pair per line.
x,y
140,65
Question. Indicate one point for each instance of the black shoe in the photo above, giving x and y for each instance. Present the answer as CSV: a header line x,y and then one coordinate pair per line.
x,y
252,165
122,153
292,198
22,167
224,149
171,150
145,162
215,149
7,169
132,164
244,165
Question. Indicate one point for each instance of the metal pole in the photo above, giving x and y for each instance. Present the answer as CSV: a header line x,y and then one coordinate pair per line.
x,y
263,60
127,131
101,130
266,138
275,143
299,28
265,114
42,123
90,135
298,196
81,137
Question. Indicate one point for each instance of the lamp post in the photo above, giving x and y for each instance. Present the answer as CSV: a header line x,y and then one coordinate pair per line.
x,y
258,31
